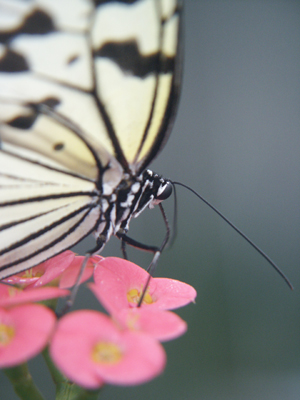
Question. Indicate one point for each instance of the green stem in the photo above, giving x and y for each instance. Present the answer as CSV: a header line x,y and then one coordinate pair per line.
x,y
71,391
22,383
57,376
66,390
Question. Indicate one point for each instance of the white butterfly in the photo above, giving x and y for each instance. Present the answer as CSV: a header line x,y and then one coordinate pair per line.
x,y
88,92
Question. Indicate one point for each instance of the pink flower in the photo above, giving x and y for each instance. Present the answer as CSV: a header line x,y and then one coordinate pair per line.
x,y
10,295
90,350
24,332
43,273
61,270
69,275
120,283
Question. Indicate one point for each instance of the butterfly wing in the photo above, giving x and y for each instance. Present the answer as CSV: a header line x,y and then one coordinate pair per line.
x,y
138,72
84,94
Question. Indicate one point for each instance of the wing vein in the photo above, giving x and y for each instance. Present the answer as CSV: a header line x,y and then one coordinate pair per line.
x,y
49,228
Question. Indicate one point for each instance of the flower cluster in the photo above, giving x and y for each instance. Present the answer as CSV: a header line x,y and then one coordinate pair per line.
x,y
91,348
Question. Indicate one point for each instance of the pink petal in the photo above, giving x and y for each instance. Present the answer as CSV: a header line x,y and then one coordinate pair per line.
x,y
43,273
32,325
54,267
162,325
169,294
125,271
10,296
144,358
77,335
70,348
115,277
70,275
111,294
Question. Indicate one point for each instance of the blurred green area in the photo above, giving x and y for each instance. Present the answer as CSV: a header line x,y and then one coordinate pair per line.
x,y
237,141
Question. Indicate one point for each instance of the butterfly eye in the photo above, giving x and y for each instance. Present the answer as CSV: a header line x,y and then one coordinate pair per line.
x,y
167,191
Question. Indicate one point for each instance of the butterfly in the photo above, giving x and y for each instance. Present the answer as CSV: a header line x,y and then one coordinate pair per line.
x,y
88,95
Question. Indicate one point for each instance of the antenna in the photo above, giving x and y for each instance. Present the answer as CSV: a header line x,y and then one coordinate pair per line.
x,y
261,252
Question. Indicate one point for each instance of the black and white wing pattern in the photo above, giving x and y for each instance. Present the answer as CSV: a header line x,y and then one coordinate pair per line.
x,y
88,92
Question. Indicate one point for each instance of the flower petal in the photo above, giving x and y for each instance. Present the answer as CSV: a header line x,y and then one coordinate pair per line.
x,y
169,294
10,295
116,279
70,275
31,326
79,334
43,273
162,325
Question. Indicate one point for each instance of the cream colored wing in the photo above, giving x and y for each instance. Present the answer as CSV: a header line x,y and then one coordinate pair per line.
x,y
87,92
111,70
137,69
43,210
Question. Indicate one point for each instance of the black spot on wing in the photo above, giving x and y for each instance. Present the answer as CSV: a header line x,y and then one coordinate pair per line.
x,y
33,110
37,23
24,121
58,146
13,62
129,59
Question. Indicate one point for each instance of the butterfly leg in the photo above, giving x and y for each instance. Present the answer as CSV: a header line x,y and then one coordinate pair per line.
x,y
138,245
134,243
70,301
153,249
123,248
153,264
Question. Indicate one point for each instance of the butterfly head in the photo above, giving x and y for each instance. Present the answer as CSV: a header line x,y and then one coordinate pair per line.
x,y
164,192
157,188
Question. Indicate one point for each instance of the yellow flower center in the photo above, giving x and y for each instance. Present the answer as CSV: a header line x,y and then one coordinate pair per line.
x,y
133,296
106,353
7,333
30,273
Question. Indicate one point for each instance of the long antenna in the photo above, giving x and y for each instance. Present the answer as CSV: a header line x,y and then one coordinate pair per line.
x,y
261,252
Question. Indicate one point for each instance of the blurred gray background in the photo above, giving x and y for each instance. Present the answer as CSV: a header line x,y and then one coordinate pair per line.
x,y
236,141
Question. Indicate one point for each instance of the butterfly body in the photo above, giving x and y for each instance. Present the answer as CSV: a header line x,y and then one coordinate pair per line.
x,y
88,92
128,201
